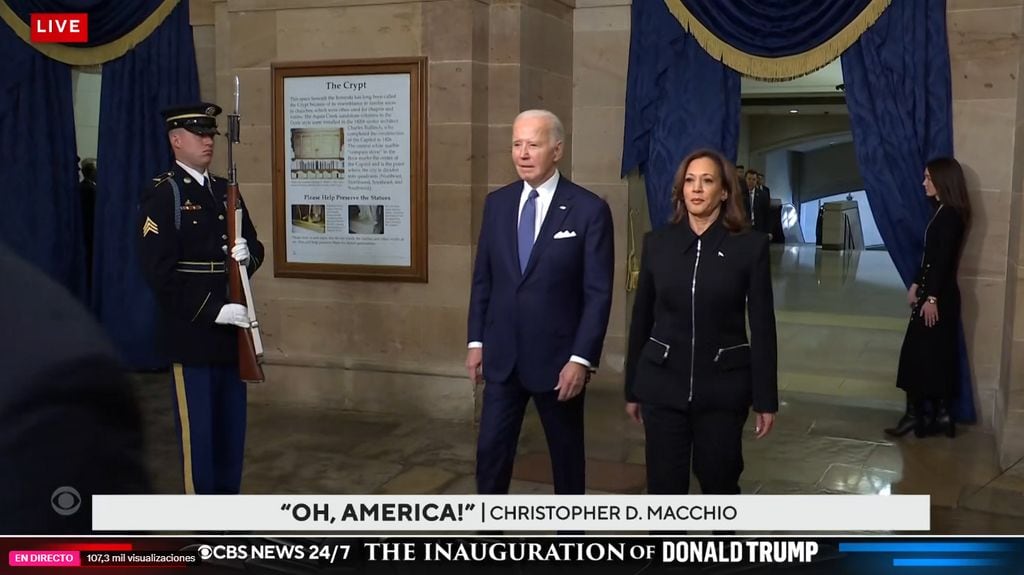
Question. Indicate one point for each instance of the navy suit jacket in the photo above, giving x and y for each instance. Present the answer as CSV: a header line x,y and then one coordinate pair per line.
x,y
532,322
761,212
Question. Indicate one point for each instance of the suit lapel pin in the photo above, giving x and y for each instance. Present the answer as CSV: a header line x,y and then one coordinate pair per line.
x,y
561,207
188,180
721,255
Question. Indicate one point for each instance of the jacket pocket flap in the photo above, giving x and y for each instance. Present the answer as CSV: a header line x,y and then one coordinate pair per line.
x,y
733,357
656,351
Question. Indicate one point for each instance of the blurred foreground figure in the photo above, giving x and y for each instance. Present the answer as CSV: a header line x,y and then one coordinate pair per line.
x,y
69,423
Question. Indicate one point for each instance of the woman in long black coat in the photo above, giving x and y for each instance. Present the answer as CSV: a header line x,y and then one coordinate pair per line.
x,y
692,374
929,369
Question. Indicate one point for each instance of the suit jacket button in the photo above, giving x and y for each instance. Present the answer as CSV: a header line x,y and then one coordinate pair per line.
x,y
224,249
221,217
223,236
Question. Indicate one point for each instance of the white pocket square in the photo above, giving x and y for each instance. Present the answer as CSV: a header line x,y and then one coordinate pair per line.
x,y
564,234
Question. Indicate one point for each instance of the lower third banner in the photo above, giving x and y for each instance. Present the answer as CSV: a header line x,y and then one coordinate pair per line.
x,y
550,554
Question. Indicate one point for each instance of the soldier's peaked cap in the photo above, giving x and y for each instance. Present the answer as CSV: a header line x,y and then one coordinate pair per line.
x,y
198,118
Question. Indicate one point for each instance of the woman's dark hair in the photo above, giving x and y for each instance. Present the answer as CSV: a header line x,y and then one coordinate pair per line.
x,y
734,218
948,178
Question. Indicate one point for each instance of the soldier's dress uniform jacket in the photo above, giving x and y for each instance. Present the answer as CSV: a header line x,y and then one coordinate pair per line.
x,y
184,249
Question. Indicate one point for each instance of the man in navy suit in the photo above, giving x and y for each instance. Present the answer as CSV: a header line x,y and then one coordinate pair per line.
x,y
758,203
542,292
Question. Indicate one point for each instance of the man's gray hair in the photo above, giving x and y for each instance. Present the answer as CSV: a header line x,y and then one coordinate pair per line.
x,y
555,128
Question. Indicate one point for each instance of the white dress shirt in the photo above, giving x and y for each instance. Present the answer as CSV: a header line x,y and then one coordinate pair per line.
x,y
201,178
545,193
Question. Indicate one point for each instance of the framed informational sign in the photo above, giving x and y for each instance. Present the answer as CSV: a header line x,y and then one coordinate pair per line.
x,y
350,170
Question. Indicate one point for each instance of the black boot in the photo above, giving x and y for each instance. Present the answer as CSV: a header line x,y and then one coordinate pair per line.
x,y
906,423
943,423
925,420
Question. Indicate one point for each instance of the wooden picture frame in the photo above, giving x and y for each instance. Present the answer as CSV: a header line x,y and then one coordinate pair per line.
x,y
350,169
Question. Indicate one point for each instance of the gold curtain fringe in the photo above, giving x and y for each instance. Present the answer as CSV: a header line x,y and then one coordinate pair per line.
x,y
91,55
785,67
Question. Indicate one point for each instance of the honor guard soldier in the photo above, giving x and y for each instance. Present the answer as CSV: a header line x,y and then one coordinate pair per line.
x,y
182,231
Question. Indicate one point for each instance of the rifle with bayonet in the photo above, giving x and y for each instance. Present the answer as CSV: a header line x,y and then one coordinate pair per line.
x,y
250,344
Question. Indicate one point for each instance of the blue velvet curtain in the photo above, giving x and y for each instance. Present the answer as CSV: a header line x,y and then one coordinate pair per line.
x,y
40,216
898,90
108,19
678,99
774,28
157,73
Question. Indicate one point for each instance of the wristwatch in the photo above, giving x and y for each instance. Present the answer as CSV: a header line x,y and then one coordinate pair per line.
x,y
933,299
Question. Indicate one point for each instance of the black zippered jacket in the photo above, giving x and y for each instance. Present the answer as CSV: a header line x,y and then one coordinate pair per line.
x,y
688,342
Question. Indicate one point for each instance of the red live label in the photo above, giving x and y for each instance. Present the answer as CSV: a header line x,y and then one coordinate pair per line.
x,y
65,28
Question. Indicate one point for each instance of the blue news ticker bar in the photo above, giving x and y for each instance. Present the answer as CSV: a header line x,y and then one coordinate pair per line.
x,y
944,562
920,547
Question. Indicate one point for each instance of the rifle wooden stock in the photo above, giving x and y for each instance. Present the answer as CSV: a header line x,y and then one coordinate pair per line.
x,y
249,369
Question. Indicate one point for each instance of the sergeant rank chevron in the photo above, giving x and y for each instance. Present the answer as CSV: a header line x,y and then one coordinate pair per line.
x,y
150,226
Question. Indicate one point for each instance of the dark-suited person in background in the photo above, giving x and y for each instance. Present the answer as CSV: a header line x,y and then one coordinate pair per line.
x,y
87,193
183,250
761,184
758,205
691,372
542,291
69,422
929,368
776,231
741,179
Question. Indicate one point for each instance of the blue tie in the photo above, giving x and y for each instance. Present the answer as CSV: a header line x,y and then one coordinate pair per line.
x,y
527,221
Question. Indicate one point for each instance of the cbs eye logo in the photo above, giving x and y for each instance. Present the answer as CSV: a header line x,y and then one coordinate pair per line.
x,y
65,500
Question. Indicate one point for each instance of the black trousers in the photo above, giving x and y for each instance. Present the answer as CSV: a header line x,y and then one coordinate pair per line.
x,y
713,439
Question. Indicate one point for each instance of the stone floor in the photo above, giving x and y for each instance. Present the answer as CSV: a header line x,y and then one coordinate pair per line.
x,y
815,448
841,318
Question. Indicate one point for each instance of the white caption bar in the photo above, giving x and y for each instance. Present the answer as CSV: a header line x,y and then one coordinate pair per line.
x,y
283,513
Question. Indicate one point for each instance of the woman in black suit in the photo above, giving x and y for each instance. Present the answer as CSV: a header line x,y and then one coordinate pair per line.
x,y
929,369
691,373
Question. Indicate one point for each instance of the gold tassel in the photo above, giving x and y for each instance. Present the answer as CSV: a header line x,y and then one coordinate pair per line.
x,y
785,67
632,261
91,55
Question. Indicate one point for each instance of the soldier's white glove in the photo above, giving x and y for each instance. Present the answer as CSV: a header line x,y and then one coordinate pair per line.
x,y
240,252
233,314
